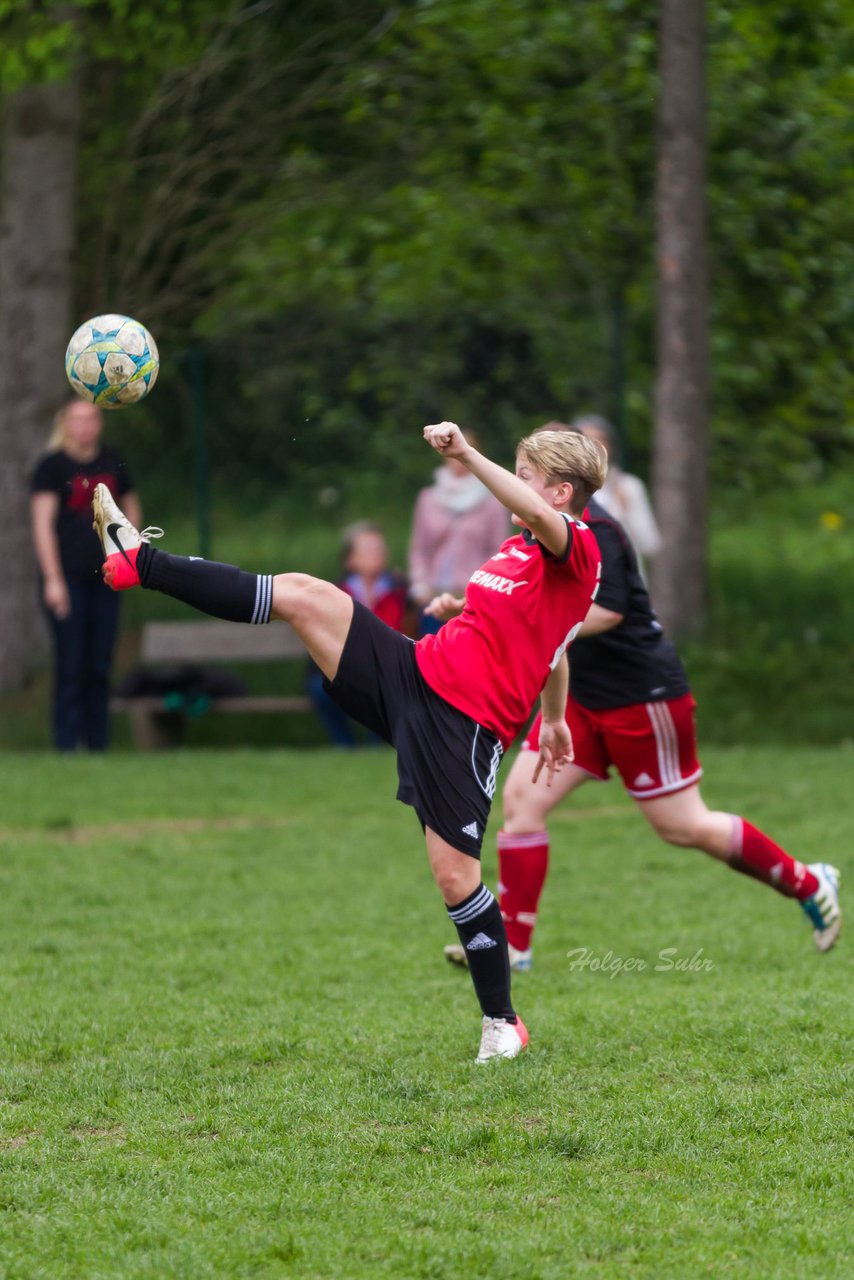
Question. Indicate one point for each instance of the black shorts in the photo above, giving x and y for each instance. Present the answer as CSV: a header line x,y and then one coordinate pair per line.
x,y
447,764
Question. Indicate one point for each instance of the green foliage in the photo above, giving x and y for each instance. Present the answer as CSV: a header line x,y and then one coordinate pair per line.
x,y
229,1047
458,258
783,254
463,244
47,41
776,655
35,47
373,216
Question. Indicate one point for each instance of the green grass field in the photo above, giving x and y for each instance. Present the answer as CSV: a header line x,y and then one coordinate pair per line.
x,y
231,1047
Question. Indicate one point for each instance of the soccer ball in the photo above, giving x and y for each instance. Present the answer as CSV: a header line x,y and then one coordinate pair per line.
x,y
112,361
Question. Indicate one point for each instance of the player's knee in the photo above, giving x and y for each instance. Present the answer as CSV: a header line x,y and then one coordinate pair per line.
x,y
685,835
456,884
293,595
520,800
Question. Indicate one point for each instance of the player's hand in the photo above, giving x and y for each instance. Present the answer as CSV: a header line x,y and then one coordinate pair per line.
x,y
56,598
555,749
445,606
447,439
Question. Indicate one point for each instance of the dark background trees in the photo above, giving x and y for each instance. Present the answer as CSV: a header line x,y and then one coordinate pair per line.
x,y
36,241
681,443
352,217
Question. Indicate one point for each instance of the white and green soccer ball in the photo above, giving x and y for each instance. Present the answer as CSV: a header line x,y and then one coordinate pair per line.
x,y
112,361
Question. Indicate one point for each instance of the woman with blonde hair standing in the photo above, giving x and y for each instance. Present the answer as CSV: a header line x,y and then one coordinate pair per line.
x,y
450,703
81,610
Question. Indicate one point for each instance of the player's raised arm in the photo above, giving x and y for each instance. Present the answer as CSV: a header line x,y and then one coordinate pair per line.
x,y
528,507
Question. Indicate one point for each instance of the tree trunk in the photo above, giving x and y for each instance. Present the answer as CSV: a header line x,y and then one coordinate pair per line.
x,y
680,460
36,237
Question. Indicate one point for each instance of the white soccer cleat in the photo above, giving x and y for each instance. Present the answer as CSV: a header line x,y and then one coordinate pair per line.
x,y
120,540
823,909
502,1039
520,961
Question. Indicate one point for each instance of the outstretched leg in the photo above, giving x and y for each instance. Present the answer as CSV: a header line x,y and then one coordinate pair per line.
x,y
683,819
319,612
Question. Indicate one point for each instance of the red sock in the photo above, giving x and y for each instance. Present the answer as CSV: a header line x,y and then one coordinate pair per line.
x,y
523,862
752,853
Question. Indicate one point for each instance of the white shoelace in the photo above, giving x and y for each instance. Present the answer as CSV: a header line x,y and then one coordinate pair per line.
x,y
490,1041
153,531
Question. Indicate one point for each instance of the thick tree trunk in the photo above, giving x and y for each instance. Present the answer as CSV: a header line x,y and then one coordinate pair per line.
x,y
36,235
681,431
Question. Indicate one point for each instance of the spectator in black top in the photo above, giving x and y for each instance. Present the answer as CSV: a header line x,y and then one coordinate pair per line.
x,y
81,609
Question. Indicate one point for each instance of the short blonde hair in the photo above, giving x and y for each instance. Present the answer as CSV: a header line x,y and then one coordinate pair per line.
x,y
570,456
57,439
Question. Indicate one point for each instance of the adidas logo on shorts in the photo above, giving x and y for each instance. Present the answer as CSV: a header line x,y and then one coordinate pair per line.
x,y
480,942
471,830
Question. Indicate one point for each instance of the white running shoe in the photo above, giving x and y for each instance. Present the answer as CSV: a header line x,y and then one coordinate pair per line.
x,y
502,1039
823,909
520,961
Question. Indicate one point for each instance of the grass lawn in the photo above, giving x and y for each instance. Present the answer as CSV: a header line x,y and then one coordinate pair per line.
x,y
231,1047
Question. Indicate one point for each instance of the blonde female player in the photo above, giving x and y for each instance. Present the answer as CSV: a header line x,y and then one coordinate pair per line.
x,y
449,703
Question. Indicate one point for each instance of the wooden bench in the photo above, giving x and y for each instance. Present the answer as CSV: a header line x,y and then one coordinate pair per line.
x,y
153,725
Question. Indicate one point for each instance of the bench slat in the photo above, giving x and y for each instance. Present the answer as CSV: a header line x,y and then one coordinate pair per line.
x,y
219,642
263,703
153,727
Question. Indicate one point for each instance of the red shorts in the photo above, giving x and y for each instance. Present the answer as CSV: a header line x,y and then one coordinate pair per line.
x,y
652,744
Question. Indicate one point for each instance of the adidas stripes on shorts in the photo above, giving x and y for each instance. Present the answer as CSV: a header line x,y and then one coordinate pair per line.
x,y
447,764
653,745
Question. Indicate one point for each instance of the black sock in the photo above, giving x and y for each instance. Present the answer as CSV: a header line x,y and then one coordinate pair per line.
x,y
222,590
481,931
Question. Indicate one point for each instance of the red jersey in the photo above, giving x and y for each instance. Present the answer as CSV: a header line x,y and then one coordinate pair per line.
x,y
523,607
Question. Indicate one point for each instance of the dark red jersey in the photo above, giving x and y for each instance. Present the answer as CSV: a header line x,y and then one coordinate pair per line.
x,y
523,607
